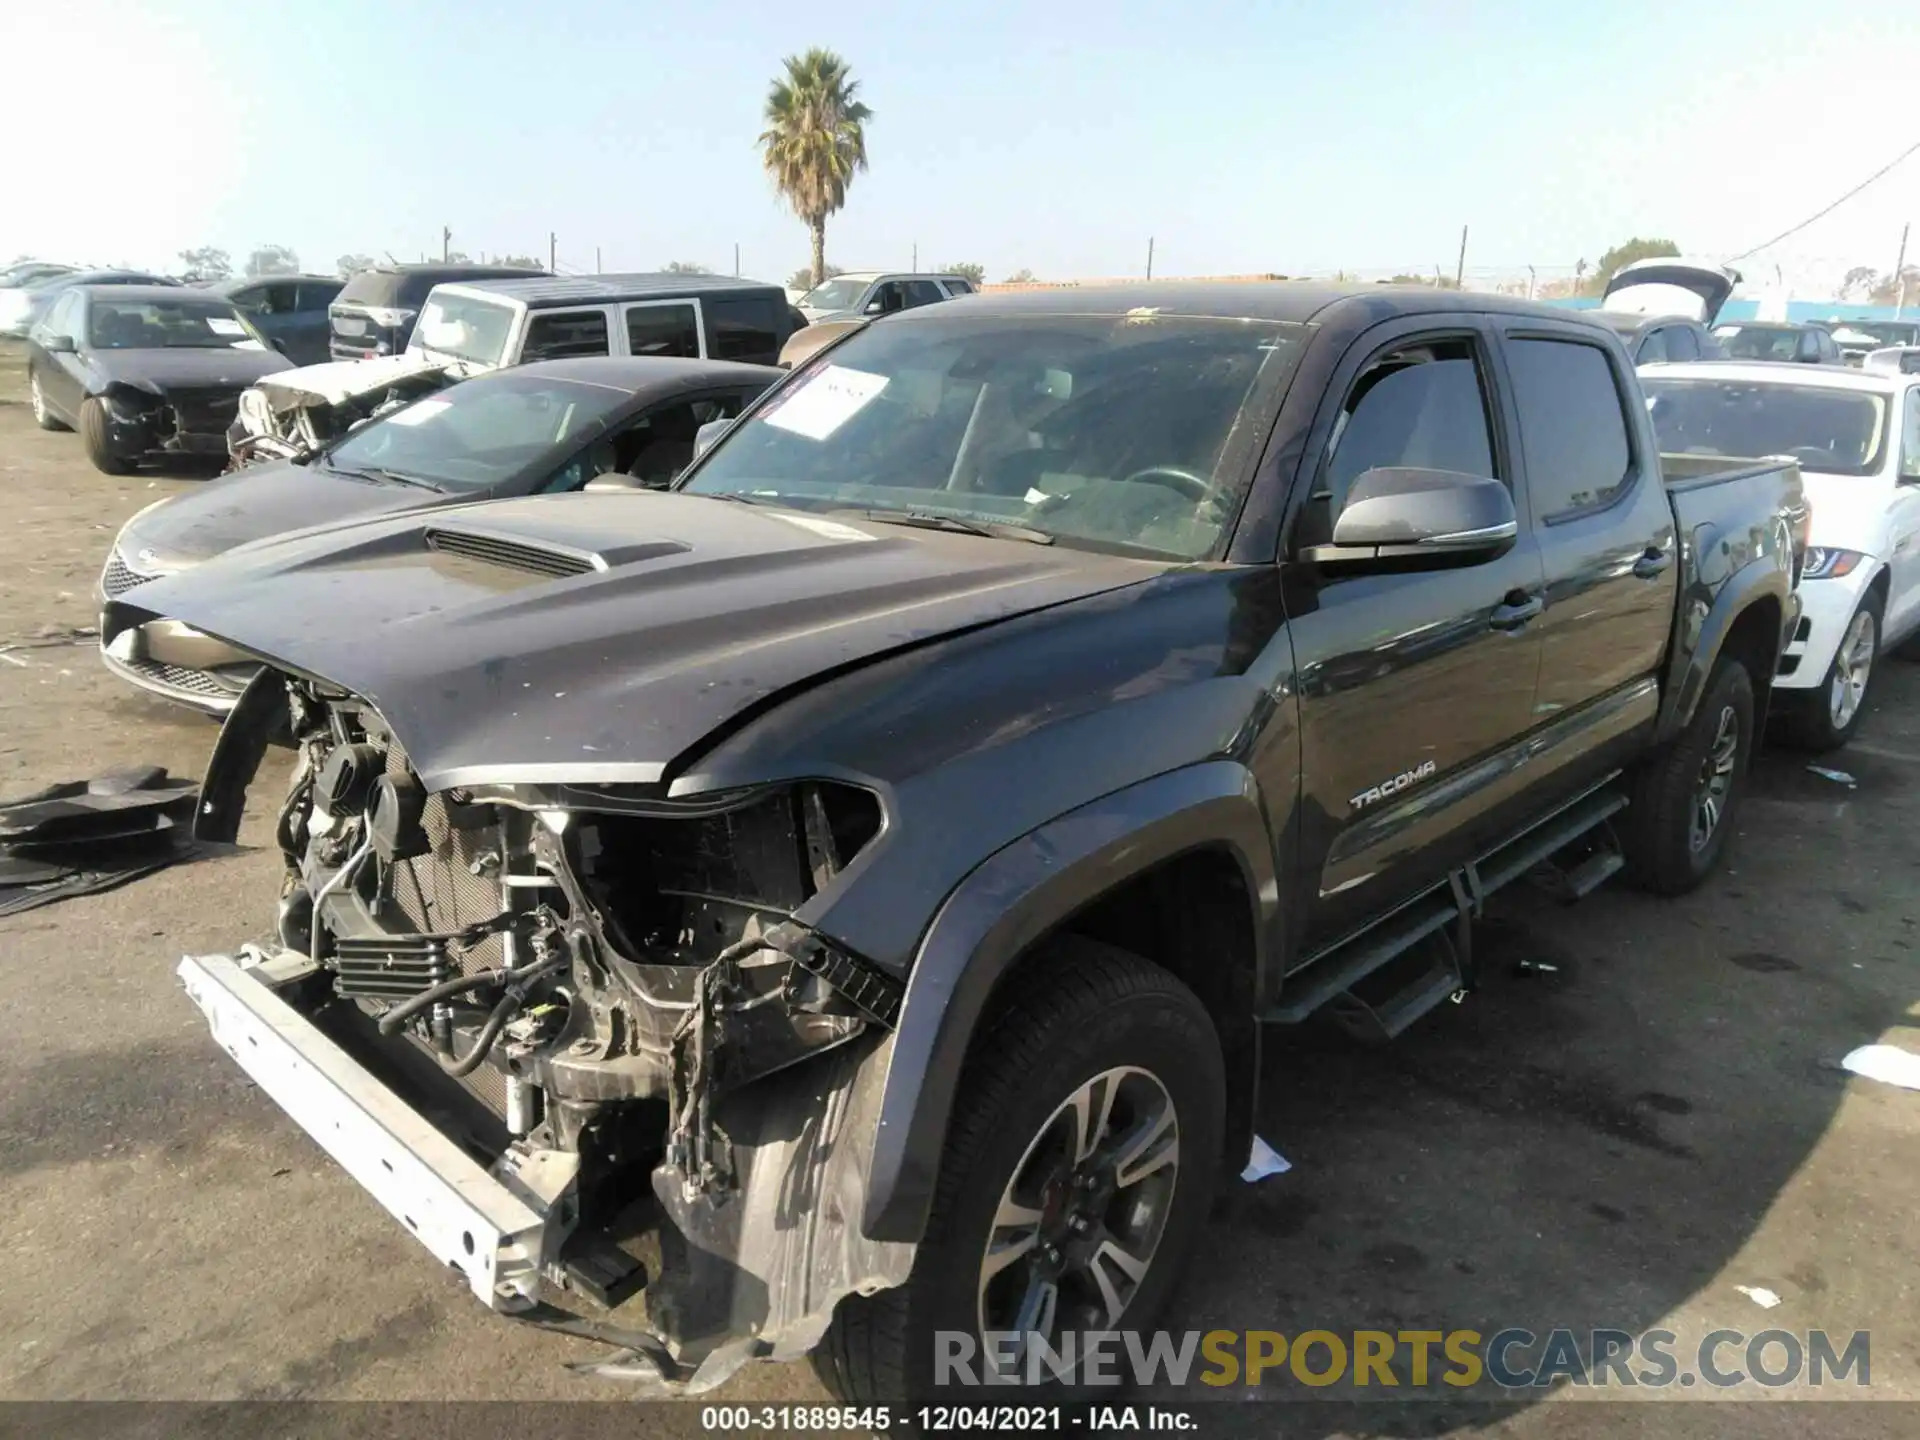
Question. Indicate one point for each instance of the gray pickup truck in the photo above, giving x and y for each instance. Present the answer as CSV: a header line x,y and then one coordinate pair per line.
x,y
849,897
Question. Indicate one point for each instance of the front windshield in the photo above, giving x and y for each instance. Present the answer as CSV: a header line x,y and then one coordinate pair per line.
x,y
1120,432
1828,430
837,294
184,324
463,328
1758,342
482,432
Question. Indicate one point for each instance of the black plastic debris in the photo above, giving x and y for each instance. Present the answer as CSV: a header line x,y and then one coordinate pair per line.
x,y
84,836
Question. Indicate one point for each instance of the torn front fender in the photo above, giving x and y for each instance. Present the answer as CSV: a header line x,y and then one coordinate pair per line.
x,y
754,1273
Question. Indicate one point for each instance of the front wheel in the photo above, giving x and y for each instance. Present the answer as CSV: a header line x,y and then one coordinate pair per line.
x,y
1684,794
1825,719
42,416
1078,1168
99,445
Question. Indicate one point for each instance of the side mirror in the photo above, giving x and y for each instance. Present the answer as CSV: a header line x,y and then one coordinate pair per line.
x,y
1407,515
58,345
874,307
704,437
279,345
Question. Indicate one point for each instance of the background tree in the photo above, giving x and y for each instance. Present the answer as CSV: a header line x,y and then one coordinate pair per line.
x,y
1857,281
206,263
685,267
815,141
1888,290
1624,254
273,260
351,265
1019,277
524,262
802,279
976,273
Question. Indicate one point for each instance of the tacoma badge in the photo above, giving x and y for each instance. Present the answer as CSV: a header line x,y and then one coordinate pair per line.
x,y
1394,786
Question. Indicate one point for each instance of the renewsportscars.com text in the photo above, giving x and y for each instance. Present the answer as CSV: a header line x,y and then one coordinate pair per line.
x,y
1510,1359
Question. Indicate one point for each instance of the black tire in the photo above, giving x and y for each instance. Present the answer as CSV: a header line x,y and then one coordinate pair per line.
x,y
42,416
1807,718
1663,849
1082,1010
93,434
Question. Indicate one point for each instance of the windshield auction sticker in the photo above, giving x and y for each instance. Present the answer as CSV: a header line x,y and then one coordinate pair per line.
x,y
827,401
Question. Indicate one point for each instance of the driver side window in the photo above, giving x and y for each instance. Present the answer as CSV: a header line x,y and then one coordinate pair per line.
x,y
1910,437
1421,404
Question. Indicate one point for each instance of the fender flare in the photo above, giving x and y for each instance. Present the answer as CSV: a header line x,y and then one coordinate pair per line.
x,y
1013,899
1761,578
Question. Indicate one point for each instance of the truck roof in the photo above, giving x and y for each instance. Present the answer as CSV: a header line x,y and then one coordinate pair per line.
x,y
569,289
1281,300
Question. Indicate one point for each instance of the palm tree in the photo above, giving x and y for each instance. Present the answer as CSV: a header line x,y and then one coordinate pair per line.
x,y
815,140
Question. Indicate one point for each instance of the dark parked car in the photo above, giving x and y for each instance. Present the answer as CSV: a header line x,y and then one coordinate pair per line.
x,y
1656,339
42,293
290,310
1778,340
862,877
539,429
375,311
143,371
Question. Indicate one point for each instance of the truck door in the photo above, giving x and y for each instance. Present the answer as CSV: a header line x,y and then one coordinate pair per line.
x,y
1411,685
1601,514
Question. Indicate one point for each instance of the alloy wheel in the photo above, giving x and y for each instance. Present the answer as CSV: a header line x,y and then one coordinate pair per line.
x,y
1082,1215
1852,666
1716,780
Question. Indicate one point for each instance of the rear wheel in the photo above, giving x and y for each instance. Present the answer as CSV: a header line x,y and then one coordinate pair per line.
x,y
1825,719
42,416
93,434
1078,1168
1683,795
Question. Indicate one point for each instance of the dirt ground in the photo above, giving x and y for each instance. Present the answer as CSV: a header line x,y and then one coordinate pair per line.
x,y
1618,1141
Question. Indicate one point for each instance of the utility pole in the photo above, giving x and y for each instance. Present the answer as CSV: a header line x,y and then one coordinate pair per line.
x,y
914,268
446,243
1150,257
736,259
553,251
1460,267
1899,274
1531,277
597,267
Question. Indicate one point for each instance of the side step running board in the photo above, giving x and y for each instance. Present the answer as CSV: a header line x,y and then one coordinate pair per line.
x,y
1387,1009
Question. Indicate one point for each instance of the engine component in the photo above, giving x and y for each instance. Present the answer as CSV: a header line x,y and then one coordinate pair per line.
x,y
389,967
347,777
394,818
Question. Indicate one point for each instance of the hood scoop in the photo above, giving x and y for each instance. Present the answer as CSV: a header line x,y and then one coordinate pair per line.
x,y
544,558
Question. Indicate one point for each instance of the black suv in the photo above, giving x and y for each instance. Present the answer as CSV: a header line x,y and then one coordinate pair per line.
x,y
374,314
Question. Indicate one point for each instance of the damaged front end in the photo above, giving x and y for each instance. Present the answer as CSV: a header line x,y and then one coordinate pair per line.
x,y
298,413
573,1037
149,420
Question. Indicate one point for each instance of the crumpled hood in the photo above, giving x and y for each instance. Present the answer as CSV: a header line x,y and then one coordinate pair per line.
x,y
334,381
188,368
696,611
252,504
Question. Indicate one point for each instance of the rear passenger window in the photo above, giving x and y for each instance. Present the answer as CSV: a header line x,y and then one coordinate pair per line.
x,y
746,329
555,335
1682,343
1572,425
923,292
663,330
1422,405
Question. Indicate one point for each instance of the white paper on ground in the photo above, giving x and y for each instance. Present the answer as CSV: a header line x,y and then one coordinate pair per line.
x,y
1264,1161
1760,1295
1885,1062
827,401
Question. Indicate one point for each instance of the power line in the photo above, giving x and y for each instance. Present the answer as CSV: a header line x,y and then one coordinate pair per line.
x,y
1835,205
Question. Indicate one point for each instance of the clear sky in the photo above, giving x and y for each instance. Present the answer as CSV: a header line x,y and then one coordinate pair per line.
x,y
1289,137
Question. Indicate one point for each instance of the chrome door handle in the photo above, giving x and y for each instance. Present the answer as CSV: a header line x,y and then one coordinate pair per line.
x,y
1653,563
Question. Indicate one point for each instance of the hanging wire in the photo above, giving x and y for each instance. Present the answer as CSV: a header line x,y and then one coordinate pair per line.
x,y
1834,206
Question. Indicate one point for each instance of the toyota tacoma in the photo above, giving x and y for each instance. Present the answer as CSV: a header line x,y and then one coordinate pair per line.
x,y
848,897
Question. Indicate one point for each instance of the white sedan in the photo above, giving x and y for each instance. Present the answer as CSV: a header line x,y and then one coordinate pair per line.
x,y
1856,436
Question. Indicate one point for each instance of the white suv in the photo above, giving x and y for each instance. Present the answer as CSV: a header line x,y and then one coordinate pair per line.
x,y
1856,437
